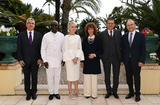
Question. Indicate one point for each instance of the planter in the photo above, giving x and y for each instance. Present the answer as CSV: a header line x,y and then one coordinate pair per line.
x,y
150,79
151,46
11,77
8,45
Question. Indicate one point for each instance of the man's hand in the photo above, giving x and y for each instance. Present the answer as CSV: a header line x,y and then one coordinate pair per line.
x,y
75,60
39,61
21,63
46,64
82,64
91,56
140,64
62,63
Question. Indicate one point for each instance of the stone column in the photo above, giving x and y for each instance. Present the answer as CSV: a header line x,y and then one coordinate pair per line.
x,y
150,79
10,77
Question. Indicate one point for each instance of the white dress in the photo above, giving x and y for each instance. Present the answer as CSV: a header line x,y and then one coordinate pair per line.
x,y
72,49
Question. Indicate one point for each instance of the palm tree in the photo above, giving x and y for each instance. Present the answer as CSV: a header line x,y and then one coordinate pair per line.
x,y
13,13
78,6
57,8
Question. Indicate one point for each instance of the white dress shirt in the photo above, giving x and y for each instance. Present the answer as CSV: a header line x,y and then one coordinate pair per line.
x,y
109,32
133,34
31,34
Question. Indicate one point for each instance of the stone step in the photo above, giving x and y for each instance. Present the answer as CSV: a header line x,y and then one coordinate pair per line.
x,y
42,89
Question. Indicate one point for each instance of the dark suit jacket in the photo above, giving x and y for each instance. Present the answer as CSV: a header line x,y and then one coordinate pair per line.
x,y
105,43
27,52
137,50
92,66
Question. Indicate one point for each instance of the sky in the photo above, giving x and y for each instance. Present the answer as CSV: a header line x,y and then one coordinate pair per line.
x,y
106,6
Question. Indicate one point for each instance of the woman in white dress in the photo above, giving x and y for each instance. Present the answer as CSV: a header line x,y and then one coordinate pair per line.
x,y
72,56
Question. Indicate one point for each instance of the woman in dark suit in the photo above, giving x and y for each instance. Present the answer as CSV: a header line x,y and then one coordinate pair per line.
x,y
92,49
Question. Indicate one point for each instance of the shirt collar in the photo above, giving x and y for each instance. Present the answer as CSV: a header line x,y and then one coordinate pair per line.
x,y
133,33
91,36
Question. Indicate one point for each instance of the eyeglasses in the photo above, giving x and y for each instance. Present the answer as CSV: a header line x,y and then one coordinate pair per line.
x,y
30,23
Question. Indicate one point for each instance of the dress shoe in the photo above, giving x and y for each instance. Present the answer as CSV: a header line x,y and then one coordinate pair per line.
x,y
57,96
94,97
87,97
51,96
34,96
116,95
137,98
107,95
129,96
28,97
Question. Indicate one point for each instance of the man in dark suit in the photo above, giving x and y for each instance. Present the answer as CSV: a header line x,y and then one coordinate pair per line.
x,y
29,44
133,57
111,55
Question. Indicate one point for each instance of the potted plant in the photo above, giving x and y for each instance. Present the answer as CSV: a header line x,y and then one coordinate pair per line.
x,y
151,43
8,44
151,70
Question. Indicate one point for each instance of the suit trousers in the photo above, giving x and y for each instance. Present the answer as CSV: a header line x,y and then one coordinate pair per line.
x,y
30,71
53,78
90,85
133,74
107,72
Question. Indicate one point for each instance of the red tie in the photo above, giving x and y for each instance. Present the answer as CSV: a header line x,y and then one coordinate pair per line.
x,y
111,34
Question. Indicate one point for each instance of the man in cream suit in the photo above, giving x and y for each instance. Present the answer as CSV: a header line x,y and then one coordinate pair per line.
x,y
52,51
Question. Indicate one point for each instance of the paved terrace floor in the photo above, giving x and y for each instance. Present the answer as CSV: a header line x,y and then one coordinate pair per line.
x,y
65,100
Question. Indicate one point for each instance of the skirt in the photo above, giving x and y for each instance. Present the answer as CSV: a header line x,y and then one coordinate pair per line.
x,y
72,70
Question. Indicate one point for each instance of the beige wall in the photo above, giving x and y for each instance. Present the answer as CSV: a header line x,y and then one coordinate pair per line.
x,y
10,77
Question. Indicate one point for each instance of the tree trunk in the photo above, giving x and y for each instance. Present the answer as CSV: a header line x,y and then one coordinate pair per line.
x,y
66,7
57,10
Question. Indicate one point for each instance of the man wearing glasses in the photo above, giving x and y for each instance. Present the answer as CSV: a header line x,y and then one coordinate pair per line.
x,y
29,57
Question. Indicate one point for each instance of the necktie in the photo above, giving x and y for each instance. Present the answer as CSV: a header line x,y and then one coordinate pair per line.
x,y
111,34
30,37
130,39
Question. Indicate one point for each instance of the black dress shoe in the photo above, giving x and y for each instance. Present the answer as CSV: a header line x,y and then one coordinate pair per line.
x,y
51,96
94,97
129,96
87,97
34,96
107,95
57,96
137,98
28,97
116,95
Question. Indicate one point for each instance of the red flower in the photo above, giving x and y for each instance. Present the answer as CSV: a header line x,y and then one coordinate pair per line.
x,y
147,32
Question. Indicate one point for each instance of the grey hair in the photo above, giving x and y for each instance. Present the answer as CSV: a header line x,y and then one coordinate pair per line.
x,y
70,23
130,20
54,21
30,19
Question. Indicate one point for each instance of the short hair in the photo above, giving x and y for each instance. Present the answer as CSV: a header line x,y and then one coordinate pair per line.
x,y
111,19
130,20
90,25
70,23
30,19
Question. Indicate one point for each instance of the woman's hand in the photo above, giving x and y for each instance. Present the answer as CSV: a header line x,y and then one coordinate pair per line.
x,y
75,60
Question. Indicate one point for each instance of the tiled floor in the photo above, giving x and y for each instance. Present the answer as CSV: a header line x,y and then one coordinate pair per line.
x,y
65,100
